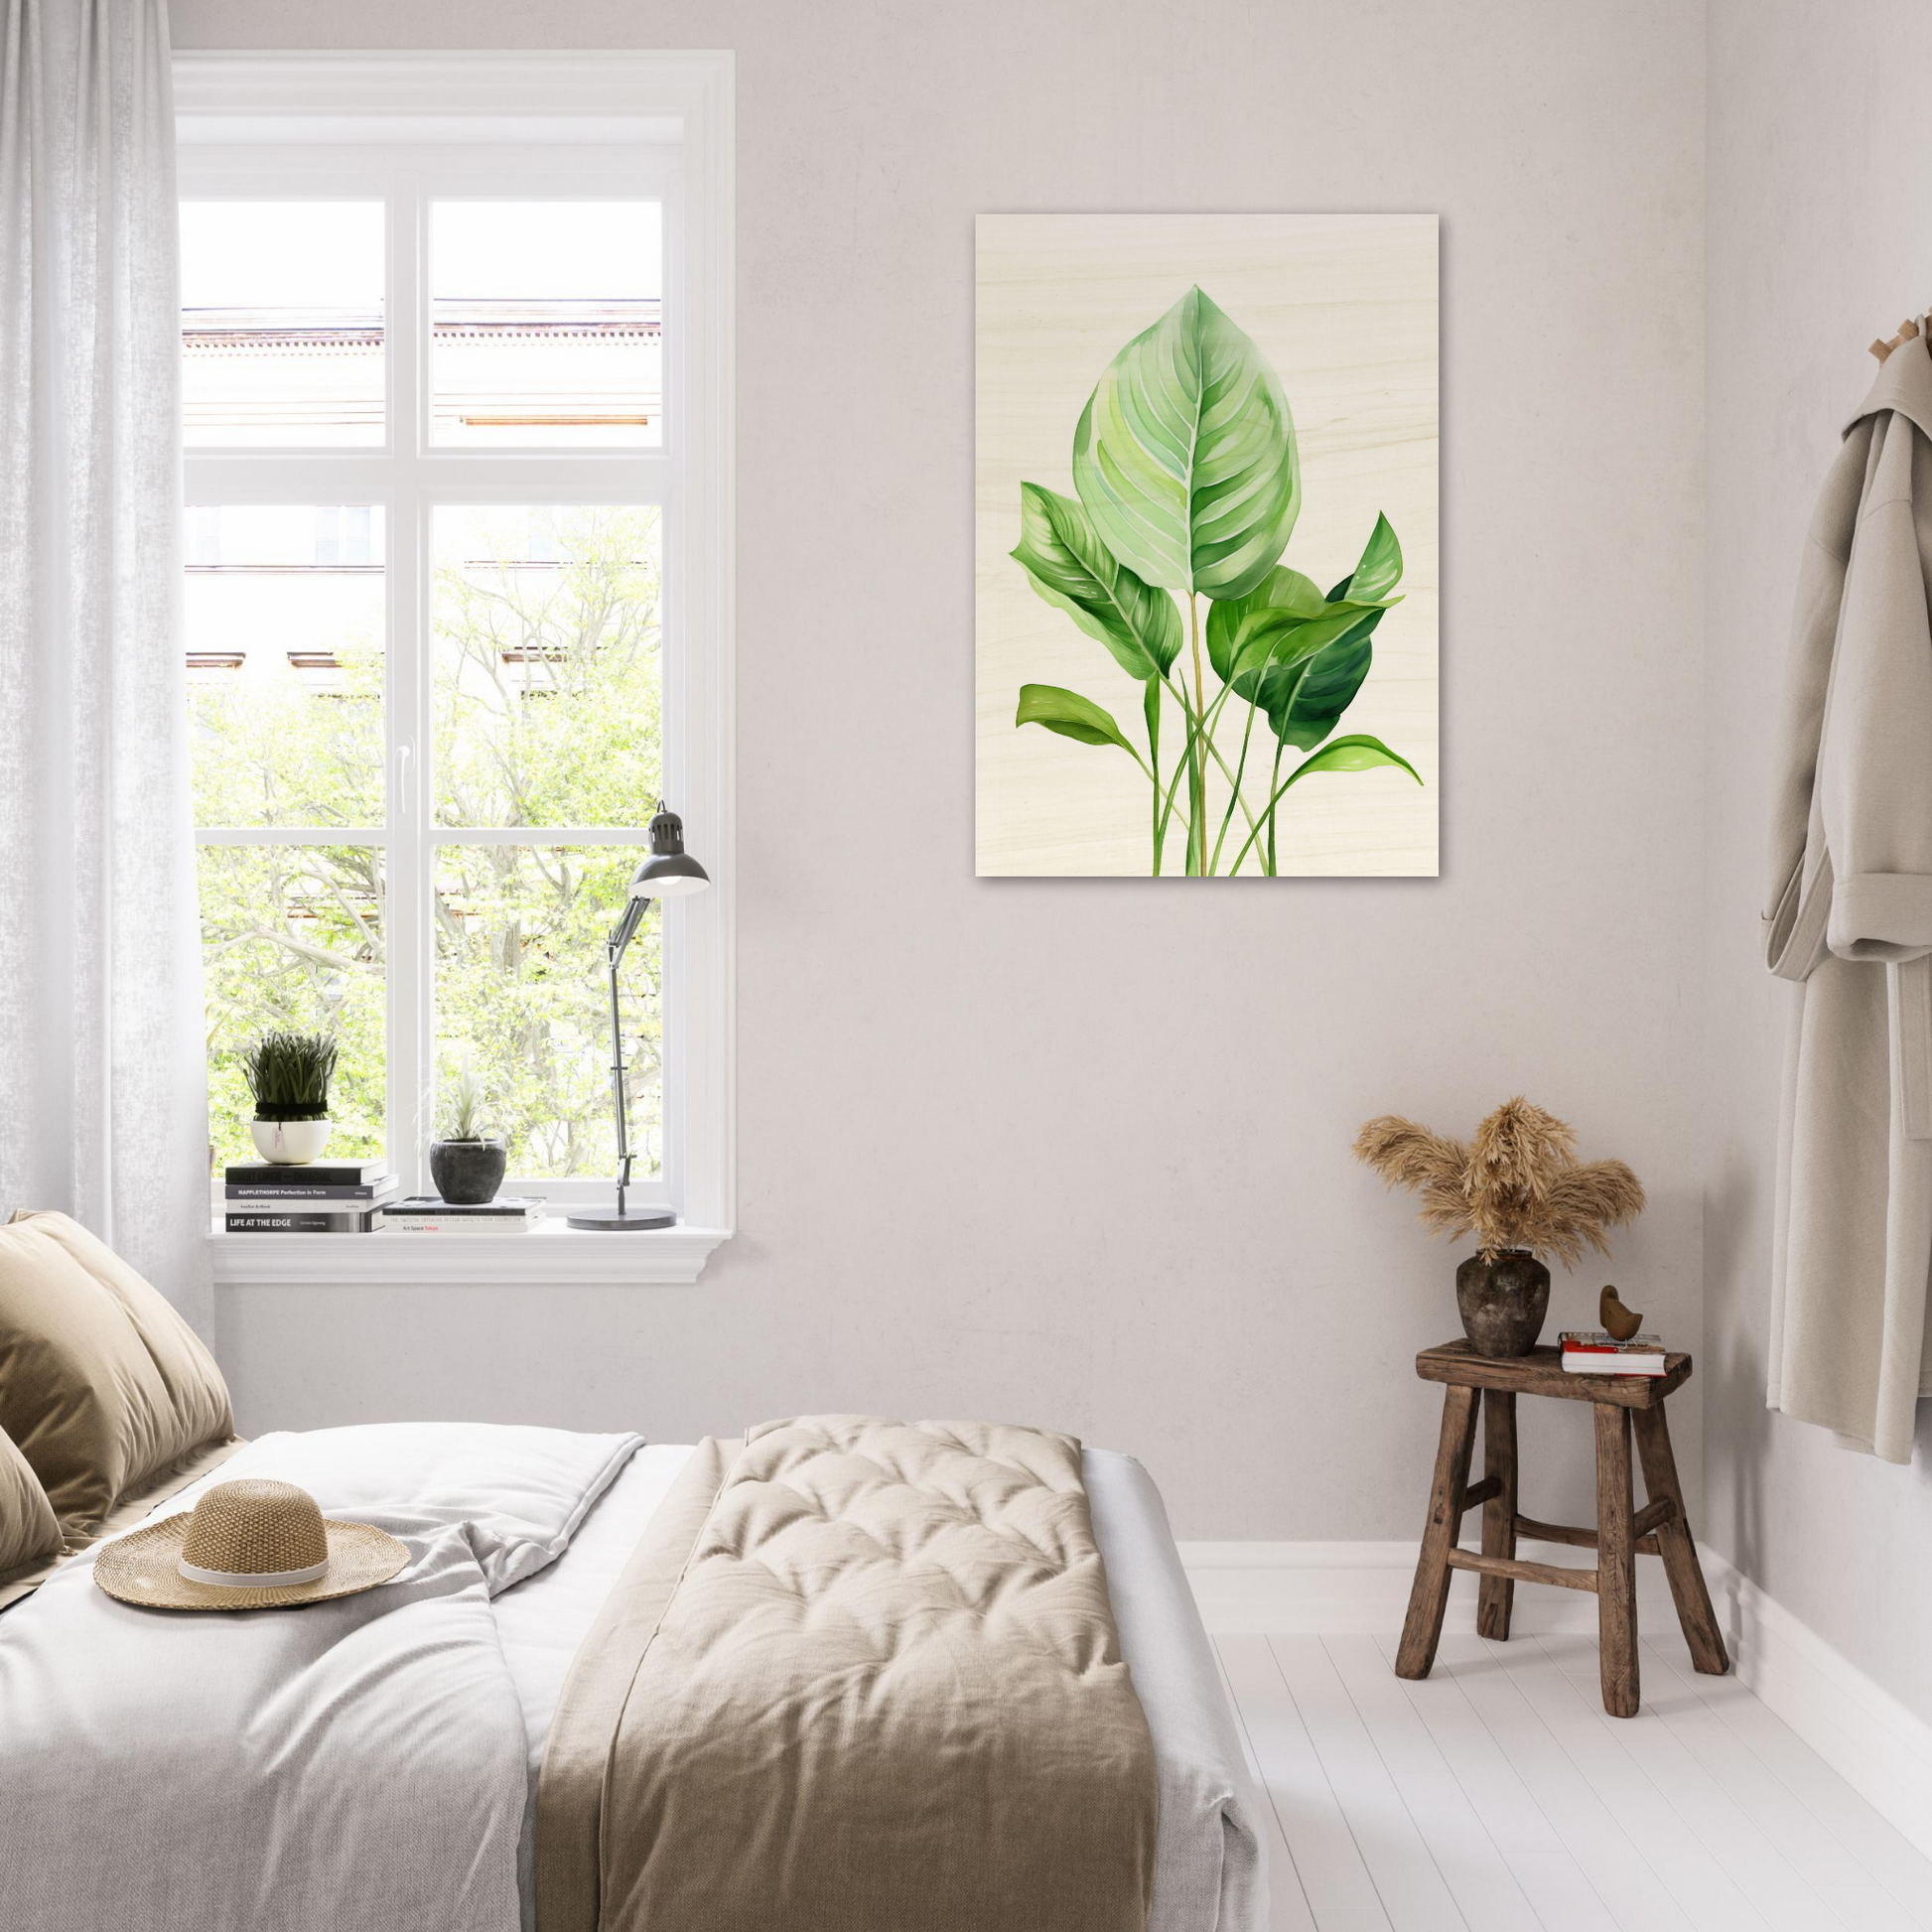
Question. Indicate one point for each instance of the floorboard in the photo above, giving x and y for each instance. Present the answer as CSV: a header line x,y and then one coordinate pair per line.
x,y
1495,1796
1328,1864
1406,1878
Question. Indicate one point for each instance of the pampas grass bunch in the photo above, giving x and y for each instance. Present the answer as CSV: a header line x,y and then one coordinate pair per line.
x,y
1517,1185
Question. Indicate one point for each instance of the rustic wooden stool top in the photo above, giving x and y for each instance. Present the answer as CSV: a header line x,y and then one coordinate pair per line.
x,y
1622,1532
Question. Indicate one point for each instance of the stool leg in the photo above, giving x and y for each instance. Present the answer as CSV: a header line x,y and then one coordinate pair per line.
x,y
1616,1561
1678,1546
1497,1596
1422,1629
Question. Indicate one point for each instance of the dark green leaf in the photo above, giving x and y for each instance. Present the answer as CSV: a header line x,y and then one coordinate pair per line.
x,y
1304,696
1069,714
1247,628
1284,617
1070,566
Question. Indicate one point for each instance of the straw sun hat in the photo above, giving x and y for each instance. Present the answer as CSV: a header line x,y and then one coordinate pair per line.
x,y
249,1545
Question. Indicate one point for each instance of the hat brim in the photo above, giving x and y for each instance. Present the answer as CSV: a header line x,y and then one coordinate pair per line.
x,y
143,1569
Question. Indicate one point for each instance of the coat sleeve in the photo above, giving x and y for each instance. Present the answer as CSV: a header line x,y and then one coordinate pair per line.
x,y
1875,766
1798,901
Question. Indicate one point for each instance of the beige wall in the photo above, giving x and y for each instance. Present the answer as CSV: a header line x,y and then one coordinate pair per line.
x,y
1819,239
1077,1152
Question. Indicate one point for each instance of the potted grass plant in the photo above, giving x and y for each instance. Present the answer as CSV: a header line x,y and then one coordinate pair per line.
x,y
468,1162
1519,1188
289,1076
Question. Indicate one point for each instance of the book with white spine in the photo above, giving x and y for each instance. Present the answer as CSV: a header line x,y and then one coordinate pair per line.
x,y
425,1214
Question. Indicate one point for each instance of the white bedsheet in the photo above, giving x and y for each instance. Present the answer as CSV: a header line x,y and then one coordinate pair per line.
x,y
1210,1874
355,1766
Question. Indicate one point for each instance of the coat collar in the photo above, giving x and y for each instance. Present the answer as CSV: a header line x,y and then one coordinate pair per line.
x,y
1904,384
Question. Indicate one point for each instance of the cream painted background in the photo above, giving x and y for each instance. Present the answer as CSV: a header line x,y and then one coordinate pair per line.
x,y
1078,1153
1344,307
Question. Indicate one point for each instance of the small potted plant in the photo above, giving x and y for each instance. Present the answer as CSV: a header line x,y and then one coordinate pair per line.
x,y
1520,1190
468,1162
289,1074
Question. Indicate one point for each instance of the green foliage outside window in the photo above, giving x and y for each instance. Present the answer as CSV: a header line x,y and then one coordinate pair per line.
x,y
546,697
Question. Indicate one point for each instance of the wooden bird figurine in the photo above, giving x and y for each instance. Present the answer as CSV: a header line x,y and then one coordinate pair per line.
x,y
1618,1320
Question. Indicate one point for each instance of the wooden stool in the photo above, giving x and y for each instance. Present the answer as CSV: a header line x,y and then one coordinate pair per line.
x,y
1621,1534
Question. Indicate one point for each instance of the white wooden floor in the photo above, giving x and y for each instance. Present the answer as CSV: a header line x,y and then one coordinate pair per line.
x,y
1497,1796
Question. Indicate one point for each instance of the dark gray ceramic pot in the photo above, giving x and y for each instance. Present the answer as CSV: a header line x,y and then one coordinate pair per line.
x,y
1503,1301
468,1174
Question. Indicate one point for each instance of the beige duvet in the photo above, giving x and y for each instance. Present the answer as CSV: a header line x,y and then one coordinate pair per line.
x,y
865,1672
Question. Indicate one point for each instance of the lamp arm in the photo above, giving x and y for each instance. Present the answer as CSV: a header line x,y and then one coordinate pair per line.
x,y
614,948
626,926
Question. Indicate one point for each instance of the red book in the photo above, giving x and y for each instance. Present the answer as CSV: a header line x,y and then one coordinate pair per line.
x,y
1591,1352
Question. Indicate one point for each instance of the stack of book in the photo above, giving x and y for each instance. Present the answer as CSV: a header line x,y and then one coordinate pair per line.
x,y
1594,1351
425,1214
319,1198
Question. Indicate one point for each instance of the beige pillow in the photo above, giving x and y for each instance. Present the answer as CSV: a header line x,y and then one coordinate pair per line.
x,y
29,1533
102,1383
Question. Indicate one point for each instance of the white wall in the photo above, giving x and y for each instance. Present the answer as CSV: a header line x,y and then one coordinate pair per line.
x,y
1076,1152
1819,239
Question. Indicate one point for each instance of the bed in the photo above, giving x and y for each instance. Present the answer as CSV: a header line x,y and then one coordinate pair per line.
x,y
509,1582
1209,1874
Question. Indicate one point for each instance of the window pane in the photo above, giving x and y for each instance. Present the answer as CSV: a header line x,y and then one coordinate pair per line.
x,y
547,323
281,323
292,937
547,682
285,628
522,1001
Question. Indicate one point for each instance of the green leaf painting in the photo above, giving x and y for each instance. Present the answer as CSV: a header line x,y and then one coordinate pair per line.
x,y
1188,483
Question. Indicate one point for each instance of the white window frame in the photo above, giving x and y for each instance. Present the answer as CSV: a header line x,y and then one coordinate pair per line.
x,y
405,127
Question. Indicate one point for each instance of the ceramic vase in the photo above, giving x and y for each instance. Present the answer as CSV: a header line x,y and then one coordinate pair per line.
x,y
1503,1299
290,1142
468,1174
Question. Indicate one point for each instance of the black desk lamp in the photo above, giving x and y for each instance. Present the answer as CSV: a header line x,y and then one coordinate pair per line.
x,y
669,872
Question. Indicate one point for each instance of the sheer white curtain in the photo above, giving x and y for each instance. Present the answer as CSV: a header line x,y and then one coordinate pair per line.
x,y
102,1071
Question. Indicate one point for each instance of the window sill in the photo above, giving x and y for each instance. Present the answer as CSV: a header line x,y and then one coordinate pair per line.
x,y
551,1253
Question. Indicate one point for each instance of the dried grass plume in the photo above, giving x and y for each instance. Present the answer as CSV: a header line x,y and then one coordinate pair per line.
x,y
1517,1185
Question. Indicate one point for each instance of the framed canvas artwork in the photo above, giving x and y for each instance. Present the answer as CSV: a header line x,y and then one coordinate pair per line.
x,y
1205,545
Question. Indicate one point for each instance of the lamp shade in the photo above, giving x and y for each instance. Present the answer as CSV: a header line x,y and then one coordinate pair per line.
x,y
670,872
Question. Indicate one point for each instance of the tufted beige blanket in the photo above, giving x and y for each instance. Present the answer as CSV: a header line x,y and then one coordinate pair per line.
x,y
859,1676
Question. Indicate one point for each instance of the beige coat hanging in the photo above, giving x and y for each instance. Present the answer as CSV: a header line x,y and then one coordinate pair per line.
x,y
1851,919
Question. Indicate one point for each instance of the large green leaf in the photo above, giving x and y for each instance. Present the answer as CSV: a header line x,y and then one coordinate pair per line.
x,y
1070,566
1243,633
1071,715
1298,655
1282,618
1185,456
1357,753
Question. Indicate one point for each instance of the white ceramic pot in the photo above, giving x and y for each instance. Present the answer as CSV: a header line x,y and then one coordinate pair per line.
x,y
290,1142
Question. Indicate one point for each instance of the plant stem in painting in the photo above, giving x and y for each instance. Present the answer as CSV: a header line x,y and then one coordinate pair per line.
x,y
1187,485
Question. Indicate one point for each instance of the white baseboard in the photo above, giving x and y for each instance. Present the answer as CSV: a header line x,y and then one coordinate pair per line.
x,y
1879,1747
1883,1749
1346,1589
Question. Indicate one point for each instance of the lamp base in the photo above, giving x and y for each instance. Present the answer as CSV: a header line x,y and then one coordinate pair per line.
x,y
611,1220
